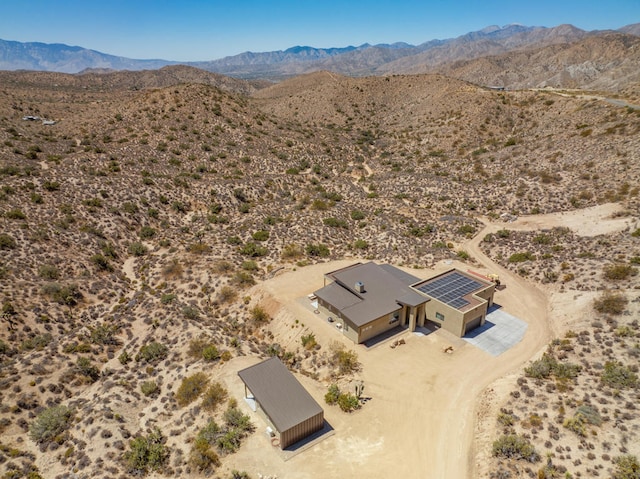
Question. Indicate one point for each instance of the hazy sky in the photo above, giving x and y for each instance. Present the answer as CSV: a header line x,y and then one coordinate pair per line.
x,y
188,30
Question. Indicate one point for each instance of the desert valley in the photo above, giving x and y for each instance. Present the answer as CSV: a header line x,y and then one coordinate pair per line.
x,y
161,230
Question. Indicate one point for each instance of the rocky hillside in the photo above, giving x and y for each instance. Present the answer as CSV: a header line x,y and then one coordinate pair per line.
x,y
135,222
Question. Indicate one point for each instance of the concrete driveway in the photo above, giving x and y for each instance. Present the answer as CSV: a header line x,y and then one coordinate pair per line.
x,y
500,332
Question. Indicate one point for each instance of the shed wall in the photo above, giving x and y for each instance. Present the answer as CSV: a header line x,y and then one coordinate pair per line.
x,y
301,430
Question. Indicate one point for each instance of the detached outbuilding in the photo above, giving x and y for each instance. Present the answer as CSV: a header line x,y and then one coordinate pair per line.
x,y
291,410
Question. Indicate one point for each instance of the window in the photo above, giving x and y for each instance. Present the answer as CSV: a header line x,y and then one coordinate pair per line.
x,y
440,316
395,317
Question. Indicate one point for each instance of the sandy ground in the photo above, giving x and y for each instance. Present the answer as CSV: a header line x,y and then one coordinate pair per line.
x,y
425,415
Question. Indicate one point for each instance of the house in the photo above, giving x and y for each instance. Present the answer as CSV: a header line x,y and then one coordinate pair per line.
x,y
369,299
290,409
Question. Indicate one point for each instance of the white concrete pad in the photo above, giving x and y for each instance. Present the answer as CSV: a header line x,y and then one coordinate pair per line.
x,y
500,332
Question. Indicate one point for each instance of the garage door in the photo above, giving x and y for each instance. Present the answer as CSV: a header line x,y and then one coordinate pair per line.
x,y
471,325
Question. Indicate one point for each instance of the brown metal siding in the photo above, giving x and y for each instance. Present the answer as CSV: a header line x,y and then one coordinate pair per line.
x,y
301,430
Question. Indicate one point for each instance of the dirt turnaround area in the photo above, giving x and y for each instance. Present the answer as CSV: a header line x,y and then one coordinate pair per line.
x,y
431,414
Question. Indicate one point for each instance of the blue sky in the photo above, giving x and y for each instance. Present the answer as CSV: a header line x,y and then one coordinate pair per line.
x,y
190,30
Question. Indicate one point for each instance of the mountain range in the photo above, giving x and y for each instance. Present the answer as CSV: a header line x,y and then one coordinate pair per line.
x,y
494,56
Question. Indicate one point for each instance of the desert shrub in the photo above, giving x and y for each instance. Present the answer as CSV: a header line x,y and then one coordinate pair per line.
x,y
191,388
104,334
576,424
146,452
610,303
590,414
617,375
167,298
513,446
15,214
542,239
348,402
624,331
253,250
506,419
320,250
237,427
4,347
626,467
190,312
618,272
68,294
243,278
234,418
360,244
101,262
522,257
548,365
203,457
357,215
259,314
152,352
260,235
124,357
37,342
48,271
137,249
213,396
227,294
149,388
51,185
86,367
50,423
309,341
199,248
467,229
291,251
503,233
203,348
235,474
249,265
335,222
332,395
345,360
172,270
147,232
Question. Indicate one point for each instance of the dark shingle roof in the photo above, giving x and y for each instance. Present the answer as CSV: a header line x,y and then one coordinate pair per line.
x,y
283,399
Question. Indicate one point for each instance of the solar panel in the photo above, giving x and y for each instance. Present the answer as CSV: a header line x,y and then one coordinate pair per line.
x,y
450,289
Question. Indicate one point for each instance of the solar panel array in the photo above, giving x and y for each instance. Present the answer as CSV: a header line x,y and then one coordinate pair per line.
x,y
450,289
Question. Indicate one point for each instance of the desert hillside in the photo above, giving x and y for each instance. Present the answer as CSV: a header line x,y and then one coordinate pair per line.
x,y
142,218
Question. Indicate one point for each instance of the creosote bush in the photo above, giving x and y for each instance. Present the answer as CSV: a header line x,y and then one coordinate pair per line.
x,y
191,388
147,452
516,447
50,424
618,272
152,352
610,303
627,467
259,314
617,375
214,396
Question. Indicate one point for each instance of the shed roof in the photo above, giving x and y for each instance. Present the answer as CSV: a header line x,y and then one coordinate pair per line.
x,y
384,288
283,399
